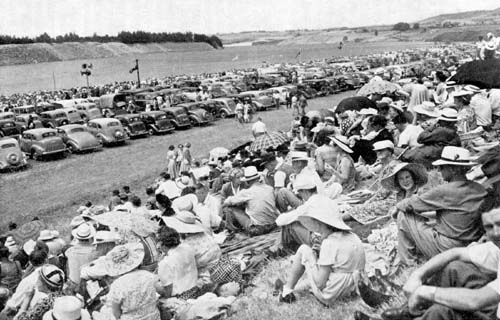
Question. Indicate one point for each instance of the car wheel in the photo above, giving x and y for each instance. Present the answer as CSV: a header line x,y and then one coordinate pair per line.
x,y
223,115
101,140
34,155
64,122
71,148
151,132
193,122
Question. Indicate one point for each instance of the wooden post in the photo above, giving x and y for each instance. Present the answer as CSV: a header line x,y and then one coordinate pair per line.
x,y
138,77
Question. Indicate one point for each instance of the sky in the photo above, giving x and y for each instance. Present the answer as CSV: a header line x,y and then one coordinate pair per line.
x,y
86,17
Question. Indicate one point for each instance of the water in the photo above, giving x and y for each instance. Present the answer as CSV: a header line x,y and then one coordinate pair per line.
x,y
66,74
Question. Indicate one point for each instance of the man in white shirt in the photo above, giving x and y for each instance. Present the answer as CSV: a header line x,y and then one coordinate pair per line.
x,y
259,128
168,187
408,132
467,285
481,105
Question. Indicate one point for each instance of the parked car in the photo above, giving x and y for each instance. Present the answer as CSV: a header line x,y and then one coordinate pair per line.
x,y
11,156
7,115
157,122
224,107
24,109
23,119
73,115
107,130
262,100
178,116
54,118
197,115
113,104
42,142
88,111
133,125
8,128
78,139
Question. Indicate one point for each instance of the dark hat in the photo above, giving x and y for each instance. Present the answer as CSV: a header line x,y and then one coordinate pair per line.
x,y
300,146
268,157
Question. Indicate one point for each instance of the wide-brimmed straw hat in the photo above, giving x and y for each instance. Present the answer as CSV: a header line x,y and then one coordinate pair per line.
x,y
417,170
368,112
124,258
298,156
46,235
85,231
384,144
185,203
342,142
328,217
67,308
30,230
250,173
184,222
304,182
454,156
427,108
448,114
52,276
182,182
104,236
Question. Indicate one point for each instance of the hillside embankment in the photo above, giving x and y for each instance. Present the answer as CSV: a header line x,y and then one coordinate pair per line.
x,y
12,54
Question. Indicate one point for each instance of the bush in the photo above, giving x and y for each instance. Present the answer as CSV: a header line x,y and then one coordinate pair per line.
x,y
416,26
401,26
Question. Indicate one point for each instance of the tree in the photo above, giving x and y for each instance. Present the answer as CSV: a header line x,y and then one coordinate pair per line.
x,y
401,26
416,26
345,38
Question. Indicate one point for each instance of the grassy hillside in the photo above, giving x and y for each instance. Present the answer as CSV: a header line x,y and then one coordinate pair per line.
x,y
43,52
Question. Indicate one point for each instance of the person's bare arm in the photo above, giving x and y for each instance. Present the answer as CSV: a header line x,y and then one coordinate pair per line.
x,y
463,299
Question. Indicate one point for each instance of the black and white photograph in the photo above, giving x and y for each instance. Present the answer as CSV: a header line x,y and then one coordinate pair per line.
x,y
249,159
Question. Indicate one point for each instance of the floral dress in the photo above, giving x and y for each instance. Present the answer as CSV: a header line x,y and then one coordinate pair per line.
x,y
40,308
466,120
136,294
171,164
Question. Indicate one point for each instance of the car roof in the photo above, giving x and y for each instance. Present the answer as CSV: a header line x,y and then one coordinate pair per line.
x,y
127,116
152,113
6,120
71,126
8,140
39,130
54,111
104,120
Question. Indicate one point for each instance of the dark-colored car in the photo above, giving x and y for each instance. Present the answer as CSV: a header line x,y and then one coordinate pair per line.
x,y
224,107
197,115
54,118
157,122
133,125
38,143
9,128
178,116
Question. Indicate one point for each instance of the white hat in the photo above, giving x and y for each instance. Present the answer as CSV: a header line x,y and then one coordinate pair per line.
x,y
186,202
10,241
368,111
385,100
299,155
471,88
106,237
397,106
85,231
428,108
279,179
46,235
448,114
182,182
29,246
67,308
332,119
454,156
320,126
384,144
461,93
184,222
303,182
250,173
342,143
379,71
328,217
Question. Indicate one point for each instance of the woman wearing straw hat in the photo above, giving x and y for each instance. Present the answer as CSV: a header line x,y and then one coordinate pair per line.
x,y
344,171
67,308
334,271
466,116
132,294
456,203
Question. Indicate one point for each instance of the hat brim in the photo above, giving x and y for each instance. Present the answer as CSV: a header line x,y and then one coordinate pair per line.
x,y
134,259
447,119
255,177
442,162
336,223
90,236
182,227
341,145
85,315
418,172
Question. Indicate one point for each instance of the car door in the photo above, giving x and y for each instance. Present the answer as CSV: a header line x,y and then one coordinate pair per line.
x,y
92,128
25,142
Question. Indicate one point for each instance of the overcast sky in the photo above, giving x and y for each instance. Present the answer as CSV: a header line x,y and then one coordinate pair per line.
x,y
84,17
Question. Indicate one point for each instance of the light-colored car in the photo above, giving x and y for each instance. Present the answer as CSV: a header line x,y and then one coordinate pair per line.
x,y
42,142
24,119
73,115
11,156
54,118
88,111
108,131
78,139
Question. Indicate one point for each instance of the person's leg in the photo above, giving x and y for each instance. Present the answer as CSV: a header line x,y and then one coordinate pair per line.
x,y
230,214
242,218
294,235
412,231
297,270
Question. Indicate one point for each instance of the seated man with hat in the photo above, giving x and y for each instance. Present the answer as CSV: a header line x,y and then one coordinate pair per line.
x,y
384,151
300,165
82,252
456,204
259,206
272,165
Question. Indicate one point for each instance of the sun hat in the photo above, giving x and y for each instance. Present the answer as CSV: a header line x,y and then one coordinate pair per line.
x,y
182,182
46,235
418,172
319,126
368,111
279,179
384,144
385,100
428,108
331,119
67,308
461,93
52,276
328,217
250,173
299,156
30,230
450,83
123,258
184,222
471,88
342,143
185,202
85,231
76,221
448,114
103,236
397,107
454,156
10,242
303,182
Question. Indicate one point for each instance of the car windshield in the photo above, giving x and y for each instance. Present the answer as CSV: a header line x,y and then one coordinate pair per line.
x,y
8,145
161,116
59,115
48,134
74,130
113,124
8,125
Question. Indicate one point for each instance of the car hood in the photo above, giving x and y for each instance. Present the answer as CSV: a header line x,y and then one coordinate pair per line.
x,y
83,138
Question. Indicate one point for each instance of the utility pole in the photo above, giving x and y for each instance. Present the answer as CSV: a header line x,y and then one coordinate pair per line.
x,y
138,77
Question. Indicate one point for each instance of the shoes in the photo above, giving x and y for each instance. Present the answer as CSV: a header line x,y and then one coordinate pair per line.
x,y
358,315
289,298
278,287
401,313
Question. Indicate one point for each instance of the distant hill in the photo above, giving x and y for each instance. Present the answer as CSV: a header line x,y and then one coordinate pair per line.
x,y
469,17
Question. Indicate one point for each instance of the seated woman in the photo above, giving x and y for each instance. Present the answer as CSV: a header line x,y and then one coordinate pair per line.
x,y
325,156
343,171
404,179
341,258
377,132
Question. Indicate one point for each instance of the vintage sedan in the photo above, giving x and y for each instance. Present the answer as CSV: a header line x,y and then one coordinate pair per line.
x,y
108,131
224,107
178,116
11,156
54,118
42,142
157,122
260,99
78,139
133,125
8,128
24,119
197,115
88,111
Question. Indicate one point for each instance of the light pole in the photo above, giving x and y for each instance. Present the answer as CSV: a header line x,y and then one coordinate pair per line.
x,y
87,71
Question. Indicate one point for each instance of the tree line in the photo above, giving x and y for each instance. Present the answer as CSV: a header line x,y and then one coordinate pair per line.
x,y
123,36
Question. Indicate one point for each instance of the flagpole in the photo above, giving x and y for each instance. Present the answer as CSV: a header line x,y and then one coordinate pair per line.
x,y
137,69
54,80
